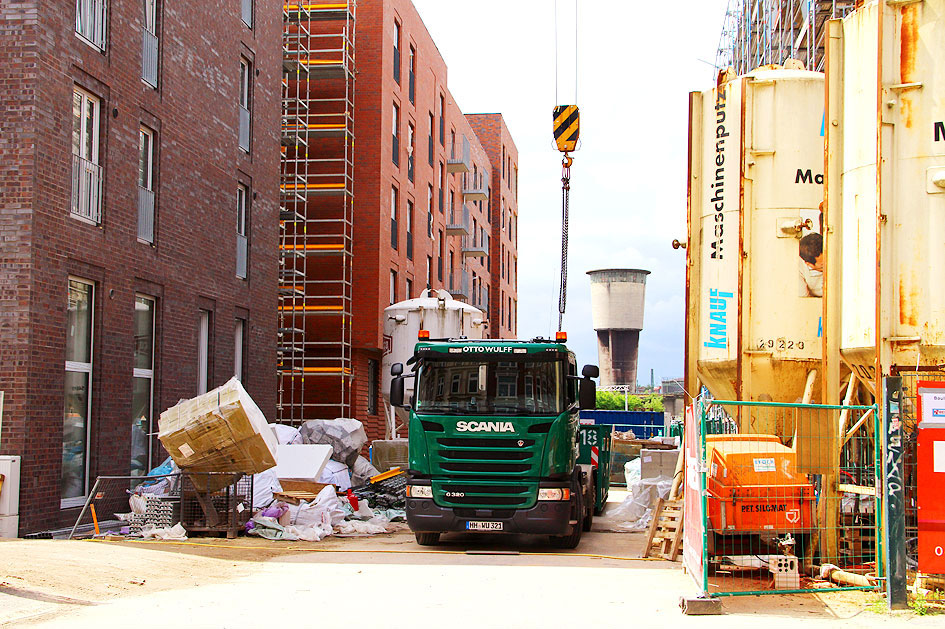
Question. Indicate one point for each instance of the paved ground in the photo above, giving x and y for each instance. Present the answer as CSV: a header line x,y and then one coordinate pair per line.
x,y
385,581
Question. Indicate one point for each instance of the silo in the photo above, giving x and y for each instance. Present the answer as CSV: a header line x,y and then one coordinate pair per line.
x,y
617,314
754,269
886,105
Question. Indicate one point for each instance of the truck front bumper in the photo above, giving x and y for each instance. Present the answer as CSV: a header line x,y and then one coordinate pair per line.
x,y
545,518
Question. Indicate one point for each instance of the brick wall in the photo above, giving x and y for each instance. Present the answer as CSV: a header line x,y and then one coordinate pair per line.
x,y
192,262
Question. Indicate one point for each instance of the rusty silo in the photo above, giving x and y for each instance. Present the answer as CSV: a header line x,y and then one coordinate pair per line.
x,y
617,313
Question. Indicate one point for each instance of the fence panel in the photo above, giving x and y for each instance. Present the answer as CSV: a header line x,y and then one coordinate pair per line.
x,y
790,497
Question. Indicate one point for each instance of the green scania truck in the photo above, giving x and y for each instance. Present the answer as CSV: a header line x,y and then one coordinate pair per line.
x,y
494,440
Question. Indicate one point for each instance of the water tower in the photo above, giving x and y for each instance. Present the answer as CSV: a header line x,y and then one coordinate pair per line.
x,y
617,313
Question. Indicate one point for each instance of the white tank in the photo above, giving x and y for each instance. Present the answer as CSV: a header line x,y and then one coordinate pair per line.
x,y
755,189
434,311
888,107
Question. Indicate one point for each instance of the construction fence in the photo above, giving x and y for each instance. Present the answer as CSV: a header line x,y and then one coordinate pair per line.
x,y
784,499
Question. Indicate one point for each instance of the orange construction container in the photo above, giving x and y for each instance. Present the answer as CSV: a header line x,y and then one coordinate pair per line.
x,y
754,487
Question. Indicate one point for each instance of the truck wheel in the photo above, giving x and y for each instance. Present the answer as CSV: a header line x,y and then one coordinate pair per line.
x,y
577,513
427,539
590,505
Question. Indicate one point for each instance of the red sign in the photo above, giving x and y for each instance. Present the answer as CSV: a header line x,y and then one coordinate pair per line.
x,y
931,476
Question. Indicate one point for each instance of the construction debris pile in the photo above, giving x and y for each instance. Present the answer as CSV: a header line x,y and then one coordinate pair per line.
x,y
230,471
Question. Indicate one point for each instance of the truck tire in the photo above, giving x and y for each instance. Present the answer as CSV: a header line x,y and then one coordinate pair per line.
x,y
427,539
590,506
577,513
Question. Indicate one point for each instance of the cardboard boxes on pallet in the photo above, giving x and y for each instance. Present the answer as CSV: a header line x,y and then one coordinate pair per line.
x,y
220,431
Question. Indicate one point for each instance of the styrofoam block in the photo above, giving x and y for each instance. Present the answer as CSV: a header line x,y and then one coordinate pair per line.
x,y
302,461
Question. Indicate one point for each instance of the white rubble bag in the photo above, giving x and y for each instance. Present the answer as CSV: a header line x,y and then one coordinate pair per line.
x,y
346,436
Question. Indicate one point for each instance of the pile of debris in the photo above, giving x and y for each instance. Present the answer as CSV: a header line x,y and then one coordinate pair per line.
x,y
231,471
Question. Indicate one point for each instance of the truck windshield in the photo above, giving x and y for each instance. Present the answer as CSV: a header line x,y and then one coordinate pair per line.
x,y
488,387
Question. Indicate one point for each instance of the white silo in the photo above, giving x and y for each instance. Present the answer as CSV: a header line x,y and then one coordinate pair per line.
x,y
617,297
886,105
754,274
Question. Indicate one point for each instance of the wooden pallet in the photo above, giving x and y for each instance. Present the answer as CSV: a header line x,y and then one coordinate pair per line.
x,y
664,538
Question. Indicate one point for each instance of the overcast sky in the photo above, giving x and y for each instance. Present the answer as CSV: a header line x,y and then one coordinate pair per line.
x,y
636,64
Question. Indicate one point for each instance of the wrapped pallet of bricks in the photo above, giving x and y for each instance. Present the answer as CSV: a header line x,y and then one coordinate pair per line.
x,y
220,431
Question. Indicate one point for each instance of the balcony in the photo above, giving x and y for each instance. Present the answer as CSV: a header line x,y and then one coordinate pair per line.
x,y
242,253
481,301
477,251
87,189
475,191
149,57
459,160
460,228
145,215
410,169
397,65
459,284
244,128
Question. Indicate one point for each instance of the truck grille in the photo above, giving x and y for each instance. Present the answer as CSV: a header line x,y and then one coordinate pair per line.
x,y
483,455
472,494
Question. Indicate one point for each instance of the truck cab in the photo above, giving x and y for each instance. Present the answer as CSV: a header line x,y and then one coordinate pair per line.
x,y
493,439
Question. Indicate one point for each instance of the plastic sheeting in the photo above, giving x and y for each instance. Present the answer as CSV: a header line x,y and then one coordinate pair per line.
x,y
336,474
346,437
634,513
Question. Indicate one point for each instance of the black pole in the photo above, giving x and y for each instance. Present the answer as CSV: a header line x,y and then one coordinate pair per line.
x,y
894,515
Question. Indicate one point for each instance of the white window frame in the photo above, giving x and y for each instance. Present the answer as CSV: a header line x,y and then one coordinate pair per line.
x,y
81,367
89,104
203,351
146,194
139,372
97,20
145,132
239,338
245,103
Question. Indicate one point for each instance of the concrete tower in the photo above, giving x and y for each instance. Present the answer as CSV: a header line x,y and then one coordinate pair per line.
x,y
617,313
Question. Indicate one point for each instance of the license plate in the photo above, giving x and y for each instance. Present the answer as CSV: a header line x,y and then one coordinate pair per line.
x,y
483,526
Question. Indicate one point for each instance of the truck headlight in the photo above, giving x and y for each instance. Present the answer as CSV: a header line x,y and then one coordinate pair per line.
x,y
554,494
419,491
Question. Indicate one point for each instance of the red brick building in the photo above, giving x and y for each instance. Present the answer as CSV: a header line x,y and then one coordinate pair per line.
x,y
138,220
434,203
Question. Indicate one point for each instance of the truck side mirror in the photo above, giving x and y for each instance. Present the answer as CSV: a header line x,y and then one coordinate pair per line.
x,y
590,371
588,394
397,389
396,369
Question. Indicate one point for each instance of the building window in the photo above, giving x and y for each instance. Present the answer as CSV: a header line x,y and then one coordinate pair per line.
x,y
409,286
393,287
430,141
87,174
204,329
412,77
146,185
442,120
246,69
411,145
441,175
439,259
143,388
429,211
429,271
78,393
246,12
90,21
242,231
397,52
395,155
239,342
393,218
374,377
149,44
409,224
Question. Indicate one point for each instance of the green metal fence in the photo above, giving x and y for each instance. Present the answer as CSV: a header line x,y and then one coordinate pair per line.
x,y
789,501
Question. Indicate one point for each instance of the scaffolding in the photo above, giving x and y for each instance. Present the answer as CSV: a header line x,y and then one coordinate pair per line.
x,y
316,211
762,32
